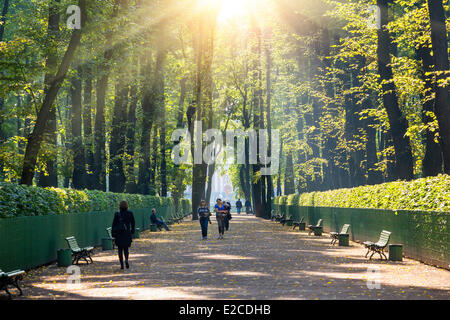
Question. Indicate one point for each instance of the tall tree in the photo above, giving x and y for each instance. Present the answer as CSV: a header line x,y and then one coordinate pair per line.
x,y
79,169
99,169
439,44
397,121
35,138
50,178
87,126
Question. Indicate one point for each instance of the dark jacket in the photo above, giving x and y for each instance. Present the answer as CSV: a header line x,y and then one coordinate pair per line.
x,y
123,237
154,219
238,204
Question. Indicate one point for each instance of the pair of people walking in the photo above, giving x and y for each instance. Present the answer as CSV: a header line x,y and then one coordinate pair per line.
x,y
223,217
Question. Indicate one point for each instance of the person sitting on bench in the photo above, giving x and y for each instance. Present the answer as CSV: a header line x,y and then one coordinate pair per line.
x,y
155,220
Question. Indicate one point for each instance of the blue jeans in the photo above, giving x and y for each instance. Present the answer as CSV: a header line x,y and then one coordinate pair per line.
x,y
162,223
227,223
238,210
204,226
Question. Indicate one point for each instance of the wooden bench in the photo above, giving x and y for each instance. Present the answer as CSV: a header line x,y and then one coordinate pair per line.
x,y
275,216
284,221
298,223
312,228
79,253
11,278
109,232
378,247
335,235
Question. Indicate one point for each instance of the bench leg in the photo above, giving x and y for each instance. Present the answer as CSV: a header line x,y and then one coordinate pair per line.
x,y
7,291
15,283
368,250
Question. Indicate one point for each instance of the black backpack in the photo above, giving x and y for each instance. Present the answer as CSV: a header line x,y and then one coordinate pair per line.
x,y
120,226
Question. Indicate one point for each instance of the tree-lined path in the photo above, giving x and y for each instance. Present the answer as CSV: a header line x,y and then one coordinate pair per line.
x,y
257,260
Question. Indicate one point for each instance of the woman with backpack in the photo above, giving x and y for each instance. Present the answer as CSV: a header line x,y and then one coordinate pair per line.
x,y
122,231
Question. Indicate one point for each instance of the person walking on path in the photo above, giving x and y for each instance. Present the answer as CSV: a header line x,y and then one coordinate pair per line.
x,y
122,230
204,214
220,217
238,206
227,206
159,222
248,206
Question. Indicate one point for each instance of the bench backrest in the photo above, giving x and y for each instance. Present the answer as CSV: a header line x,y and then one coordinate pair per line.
x,y
73,244
109,232
345,228
384,238
319,223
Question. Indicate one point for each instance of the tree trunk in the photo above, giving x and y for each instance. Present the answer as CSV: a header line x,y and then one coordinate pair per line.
x,y
289,184
117,144
3,19
87,128
35,138
50,179
99,128
152,99
439,44
162,144
269,180
203,52
78,177
2,30
131,186
432,162
398,123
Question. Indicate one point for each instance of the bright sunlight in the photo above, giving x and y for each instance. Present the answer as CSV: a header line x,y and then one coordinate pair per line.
x,y
233,9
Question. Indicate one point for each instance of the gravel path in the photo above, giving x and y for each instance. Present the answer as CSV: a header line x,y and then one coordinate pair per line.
x,y
257,260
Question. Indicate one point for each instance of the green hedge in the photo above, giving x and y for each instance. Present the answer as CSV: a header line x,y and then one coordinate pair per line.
x,y
20,200
185,206
432,193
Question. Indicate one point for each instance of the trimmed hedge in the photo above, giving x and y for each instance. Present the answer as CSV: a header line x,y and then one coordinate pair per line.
x,y
185,206
432,193
20,200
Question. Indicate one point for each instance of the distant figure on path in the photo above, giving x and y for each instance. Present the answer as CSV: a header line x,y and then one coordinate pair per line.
x,y
248,207
122,229
204,214
221,213
155,220
238,206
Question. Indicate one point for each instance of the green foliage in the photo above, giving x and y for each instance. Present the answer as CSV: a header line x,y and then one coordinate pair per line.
x,y
18,200
292,199
282,200
432,193
185,205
